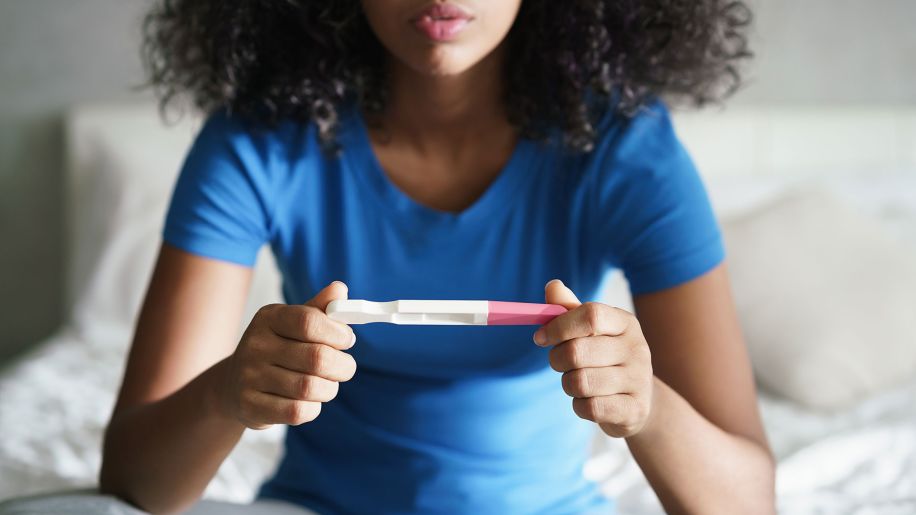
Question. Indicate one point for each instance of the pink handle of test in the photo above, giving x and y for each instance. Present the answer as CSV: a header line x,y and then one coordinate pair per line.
x,y
522,313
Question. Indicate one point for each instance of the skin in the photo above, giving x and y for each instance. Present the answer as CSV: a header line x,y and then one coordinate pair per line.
x,y
188,379
673,379
444,100
684,402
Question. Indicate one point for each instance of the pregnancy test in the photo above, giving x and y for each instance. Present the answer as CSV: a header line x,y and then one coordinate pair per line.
x,y
443,312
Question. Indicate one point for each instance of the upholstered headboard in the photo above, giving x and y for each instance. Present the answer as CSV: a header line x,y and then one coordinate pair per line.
x,y
780,141
122,163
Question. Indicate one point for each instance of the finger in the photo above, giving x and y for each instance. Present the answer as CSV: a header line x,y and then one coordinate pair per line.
x,y
620,415
335,290
596,382
312,325
317,360
619,409
555,292
296,385
261,408
587,352
589,319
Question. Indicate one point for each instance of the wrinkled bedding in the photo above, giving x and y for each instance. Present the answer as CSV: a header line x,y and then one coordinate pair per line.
x,y
858,461
56,400
55,404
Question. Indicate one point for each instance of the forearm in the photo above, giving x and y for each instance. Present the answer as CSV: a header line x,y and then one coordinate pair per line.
x,y
161,456
696,467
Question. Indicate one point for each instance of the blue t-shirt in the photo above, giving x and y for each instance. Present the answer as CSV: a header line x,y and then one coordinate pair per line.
x,y
448,419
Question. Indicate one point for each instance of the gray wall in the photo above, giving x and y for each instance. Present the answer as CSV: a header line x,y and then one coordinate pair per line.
x,y
54,53
833,52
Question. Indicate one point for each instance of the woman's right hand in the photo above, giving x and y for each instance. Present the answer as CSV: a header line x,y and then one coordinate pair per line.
x,y
290,360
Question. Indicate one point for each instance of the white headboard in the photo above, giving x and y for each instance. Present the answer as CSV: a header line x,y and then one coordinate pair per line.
x,y
122,161
771,141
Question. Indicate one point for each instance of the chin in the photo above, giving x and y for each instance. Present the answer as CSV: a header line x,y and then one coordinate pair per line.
x,y
442,62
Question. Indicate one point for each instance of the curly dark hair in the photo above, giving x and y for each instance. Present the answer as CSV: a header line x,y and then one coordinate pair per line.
x,y
299,59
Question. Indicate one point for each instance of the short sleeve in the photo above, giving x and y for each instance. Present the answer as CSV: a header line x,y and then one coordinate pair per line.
x,y
220,206
651,216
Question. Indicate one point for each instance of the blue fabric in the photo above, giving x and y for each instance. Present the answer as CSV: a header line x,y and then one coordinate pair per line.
x,y
446,419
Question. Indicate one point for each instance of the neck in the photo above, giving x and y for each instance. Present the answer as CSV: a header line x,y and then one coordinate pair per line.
x,y
431,112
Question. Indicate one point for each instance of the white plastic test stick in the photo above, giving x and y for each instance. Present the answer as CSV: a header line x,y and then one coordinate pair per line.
x,y
443,312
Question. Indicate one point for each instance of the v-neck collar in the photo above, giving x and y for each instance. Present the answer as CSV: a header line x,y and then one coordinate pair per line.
x,y
358,153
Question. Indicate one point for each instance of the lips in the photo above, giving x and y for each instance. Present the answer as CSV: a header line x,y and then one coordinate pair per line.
x,y
441,22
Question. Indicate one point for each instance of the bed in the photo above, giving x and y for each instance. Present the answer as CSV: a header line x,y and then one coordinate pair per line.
x,y
55,400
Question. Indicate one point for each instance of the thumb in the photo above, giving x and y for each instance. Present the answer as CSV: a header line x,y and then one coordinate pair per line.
x,y
558,293
335,290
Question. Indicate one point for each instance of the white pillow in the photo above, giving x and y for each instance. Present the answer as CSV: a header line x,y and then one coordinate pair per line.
x,y
827,300
122,164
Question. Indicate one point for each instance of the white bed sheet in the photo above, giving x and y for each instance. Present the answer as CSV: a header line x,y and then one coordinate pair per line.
x,y
55,404
54,407
859,461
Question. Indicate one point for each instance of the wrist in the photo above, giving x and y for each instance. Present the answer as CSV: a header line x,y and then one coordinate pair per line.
x,y
215,390
656,410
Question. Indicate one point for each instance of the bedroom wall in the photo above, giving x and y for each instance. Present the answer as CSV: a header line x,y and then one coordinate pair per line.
x,y
833,52
54,53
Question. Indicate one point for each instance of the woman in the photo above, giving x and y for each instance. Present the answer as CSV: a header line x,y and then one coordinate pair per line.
x,y
465,149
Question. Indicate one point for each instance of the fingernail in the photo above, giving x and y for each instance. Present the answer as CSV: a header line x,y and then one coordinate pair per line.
x,y
353,340
540,337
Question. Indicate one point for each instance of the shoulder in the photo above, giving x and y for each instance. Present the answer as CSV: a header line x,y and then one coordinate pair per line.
x,y
641,156
231,151
233,157
645,141
251,139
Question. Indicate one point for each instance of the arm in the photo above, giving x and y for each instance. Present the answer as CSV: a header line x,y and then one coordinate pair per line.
x,y
677,384
703,448
190,389
154,454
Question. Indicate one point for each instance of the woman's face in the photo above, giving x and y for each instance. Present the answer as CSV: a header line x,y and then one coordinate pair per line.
x,y
440,37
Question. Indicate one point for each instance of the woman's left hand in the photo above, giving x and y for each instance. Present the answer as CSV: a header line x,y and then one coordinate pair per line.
x,y
605,361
